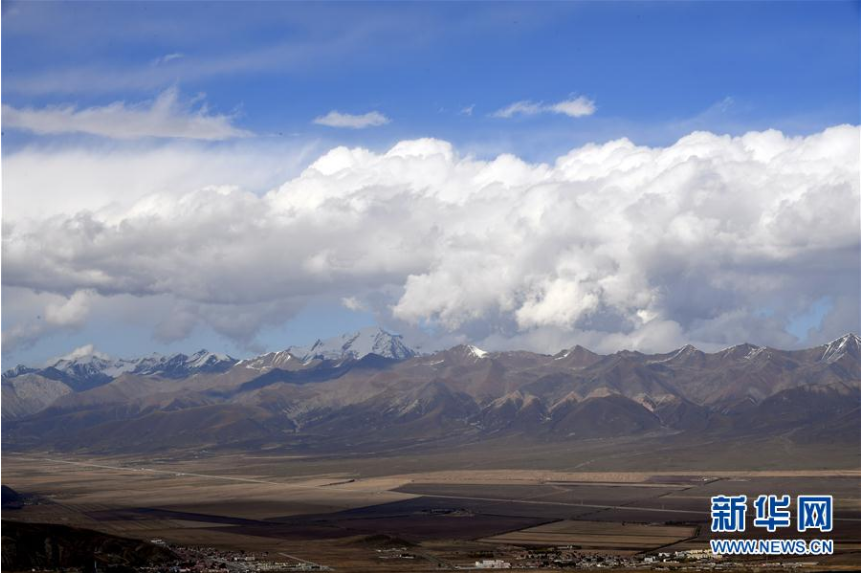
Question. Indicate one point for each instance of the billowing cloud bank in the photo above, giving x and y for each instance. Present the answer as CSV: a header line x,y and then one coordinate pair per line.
x,y
714,239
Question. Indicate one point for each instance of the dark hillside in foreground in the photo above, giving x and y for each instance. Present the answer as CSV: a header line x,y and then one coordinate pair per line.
x,y
42,546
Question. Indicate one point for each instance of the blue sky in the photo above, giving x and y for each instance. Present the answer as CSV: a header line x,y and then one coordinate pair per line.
x,y
260,73
655,70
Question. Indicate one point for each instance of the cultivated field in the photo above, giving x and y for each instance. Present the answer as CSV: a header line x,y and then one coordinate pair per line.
x,y
605,536
348,515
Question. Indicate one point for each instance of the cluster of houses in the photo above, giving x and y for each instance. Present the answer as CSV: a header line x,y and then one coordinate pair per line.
x,y
211,560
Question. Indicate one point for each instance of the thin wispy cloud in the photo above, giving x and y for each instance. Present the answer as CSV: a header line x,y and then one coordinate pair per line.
x,y
351,121
352,303
168,58
164,117
283,57
577,107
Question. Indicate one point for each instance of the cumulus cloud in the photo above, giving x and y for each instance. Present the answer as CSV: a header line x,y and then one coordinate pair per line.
x,y
576,107
44,181
71,312
611,245
337,119
165,117
62,313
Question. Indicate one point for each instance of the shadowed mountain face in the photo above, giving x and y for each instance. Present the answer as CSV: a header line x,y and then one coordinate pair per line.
x,y
368,388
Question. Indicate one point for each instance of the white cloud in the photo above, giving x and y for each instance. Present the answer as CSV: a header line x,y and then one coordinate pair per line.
x,y
352,303
576,107
72,312
60,313
80,352
164,117
612,245
519,108
167,58
557,302
44,181
337,119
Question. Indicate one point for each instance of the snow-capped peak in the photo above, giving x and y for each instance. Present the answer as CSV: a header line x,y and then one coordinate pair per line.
x,y
87,364
268,360
686,350
81,355
18,371
356,345
179,364
754,352
203,358
476,351
738,350
838,348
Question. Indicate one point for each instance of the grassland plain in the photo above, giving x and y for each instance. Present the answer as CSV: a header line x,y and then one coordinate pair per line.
x,y
342,511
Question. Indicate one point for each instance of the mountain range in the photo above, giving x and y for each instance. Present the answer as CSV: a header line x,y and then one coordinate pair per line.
x,y
370,388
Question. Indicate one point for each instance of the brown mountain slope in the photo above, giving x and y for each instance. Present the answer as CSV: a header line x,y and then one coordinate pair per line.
x,y
459,394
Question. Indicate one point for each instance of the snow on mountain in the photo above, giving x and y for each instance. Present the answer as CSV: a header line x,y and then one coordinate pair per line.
x,y
477,352
18,371
837,349
755,352
739,351
685,352
179,365
87,368
356,345
95,368
203,359
92,366
268,360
